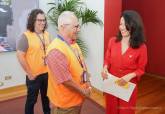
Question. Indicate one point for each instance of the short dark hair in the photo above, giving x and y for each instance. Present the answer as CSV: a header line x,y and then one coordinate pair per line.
x,y
32,19
134,24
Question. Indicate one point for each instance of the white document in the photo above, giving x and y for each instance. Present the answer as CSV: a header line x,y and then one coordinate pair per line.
x,y
109,86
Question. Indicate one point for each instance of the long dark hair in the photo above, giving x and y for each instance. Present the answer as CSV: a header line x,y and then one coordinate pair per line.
x,y
134,24
32,19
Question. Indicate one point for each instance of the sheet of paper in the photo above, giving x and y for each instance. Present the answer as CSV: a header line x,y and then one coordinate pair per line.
x,y
109,86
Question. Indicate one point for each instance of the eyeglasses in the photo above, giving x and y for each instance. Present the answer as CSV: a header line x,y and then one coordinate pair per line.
x,y
75,26
41,20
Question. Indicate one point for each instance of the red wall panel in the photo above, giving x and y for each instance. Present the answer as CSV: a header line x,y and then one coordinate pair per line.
x,y
111,19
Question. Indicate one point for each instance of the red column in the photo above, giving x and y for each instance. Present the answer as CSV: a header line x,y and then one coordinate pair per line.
x,y
111,19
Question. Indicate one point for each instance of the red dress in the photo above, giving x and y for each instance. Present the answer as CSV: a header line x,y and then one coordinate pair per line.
x,y
133,60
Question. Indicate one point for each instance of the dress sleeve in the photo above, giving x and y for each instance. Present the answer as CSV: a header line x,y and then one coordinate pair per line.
x,y
142,61
108,53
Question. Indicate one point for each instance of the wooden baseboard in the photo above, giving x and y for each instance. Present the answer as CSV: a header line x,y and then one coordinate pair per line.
x,y
18,91
12,92
155,76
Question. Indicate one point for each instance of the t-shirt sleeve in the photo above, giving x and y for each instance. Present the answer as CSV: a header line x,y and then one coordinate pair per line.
x,y
58,64
22,43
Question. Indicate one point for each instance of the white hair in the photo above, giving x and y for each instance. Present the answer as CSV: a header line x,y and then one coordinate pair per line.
x,y
65,18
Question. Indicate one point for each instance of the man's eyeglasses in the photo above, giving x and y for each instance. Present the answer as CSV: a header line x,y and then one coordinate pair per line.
x,y
75,26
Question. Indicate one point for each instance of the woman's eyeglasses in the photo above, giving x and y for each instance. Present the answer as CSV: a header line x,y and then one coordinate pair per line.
x,y
41,20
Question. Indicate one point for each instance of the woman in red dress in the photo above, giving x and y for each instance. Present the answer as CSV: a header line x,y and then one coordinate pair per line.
x,y
126,58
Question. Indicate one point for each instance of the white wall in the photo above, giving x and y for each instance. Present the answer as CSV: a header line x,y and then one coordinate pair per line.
x,y
9,66
92,34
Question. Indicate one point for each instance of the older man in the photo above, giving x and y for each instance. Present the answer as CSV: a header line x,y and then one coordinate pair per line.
x,y
66,89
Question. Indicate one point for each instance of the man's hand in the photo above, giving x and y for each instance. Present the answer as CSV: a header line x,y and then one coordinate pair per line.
x,y
86,92
73,86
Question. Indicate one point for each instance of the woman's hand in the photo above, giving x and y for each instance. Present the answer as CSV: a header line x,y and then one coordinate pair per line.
x,y
125,79
31,77
104,73
128,77
121,82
